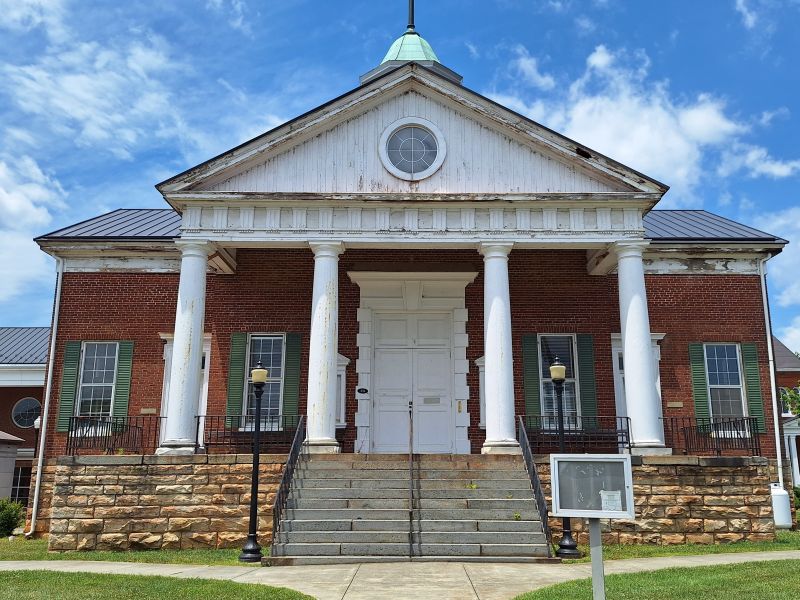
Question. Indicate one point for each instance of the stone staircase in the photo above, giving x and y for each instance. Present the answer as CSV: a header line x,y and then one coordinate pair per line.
x,y
354,508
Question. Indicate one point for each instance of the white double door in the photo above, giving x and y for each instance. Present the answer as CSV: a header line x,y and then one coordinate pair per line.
x,y
413,367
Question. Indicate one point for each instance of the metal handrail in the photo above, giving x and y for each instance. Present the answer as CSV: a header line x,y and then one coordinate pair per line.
x,y
112,435
713,435
282,495
536,484
410,479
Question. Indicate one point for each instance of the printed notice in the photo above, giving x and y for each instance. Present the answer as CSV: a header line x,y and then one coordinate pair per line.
x,y
611,500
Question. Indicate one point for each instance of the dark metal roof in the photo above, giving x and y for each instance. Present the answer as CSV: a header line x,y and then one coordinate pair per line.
x,y
660,226
123,224
24,345
785,359
700,225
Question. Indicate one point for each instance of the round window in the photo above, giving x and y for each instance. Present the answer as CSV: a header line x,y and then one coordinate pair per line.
x,y
412,148
25,412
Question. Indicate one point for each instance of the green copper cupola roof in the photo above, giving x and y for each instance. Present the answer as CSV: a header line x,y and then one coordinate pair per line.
x,y
410,46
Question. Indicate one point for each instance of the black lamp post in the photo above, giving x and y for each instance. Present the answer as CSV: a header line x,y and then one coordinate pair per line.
x,y
567,547
251,553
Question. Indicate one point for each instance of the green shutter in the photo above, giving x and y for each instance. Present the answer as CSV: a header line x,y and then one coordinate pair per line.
x,y
530,374
752,383
586,380
69,385
237,362
291,375
697,364
122,387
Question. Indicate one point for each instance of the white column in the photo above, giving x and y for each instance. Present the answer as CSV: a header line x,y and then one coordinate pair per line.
x,y
793,456
501,435
185,380
644,407
322,353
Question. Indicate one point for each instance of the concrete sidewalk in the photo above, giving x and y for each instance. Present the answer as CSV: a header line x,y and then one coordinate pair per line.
x,y
402,580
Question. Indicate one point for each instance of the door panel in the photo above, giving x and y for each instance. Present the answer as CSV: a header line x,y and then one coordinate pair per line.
x,y
392,392
433,407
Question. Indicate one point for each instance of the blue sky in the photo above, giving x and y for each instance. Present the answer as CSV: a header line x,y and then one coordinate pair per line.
x,y
100,100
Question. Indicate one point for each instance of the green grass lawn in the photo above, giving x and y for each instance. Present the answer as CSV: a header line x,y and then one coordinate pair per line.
x,y
787,540
776,580
40,585
21,549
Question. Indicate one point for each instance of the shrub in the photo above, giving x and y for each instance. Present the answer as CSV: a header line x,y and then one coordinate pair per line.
x,y
11,516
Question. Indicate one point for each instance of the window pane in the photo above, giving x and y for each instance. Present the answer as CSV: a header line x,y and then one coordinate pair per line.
x,y
97,379
268,350
726,402
549,406
556,346
722,364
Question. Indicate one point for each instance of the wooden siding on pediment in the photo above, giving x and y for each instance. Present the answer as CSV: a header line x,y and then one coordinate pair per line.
x,y
479,159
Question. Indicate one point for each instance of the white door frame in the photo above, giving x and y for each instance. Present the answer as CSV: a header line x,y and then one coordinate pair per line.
x,y
412,291
619,383
202,403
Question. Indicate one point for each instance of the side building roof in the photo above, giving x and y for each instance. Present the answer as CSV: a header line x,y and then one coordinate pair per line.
x,y
24,345
661,226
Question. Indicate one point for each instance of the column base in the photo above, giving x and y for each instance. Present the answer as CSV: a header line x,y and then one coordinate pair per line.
x,y
322,446
509,447
650,451
176,449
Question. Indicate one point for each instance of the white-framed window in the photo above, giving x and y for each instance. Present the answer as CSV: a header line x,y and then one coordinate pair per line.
x,y
725,385
341,390
25,412
564,347
97,379
270,349
481,364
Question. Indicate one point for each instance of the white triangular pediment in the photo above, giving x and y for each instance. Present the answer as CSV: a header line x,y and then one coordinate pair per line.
x,y
489,150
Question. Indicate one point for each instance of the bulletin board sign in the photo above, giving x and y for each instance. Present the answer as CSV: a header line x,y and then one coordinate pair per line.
x,y
593,486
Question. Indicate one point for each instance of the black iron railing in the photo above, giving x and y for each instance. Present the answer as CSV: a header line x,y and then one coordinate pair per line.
x,y
608,434
113,435
226,434
536,484
285,487
697,435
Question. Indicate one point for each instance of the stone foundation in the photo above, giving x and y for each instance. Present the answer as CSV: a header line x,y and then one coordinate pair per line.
x,y
149,502
688,499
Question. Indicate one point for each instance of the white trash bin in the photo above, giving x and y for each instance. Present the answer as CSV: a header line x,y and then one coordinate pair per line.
x,y
781,507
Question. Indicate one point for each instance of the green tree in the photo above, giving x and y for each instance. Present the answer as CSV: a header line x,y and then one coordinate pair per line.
x,y
791,398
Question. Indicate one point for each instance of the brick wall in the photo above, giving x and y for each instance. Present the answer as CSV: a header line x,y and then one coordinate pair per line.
x,y
687,499
271,291
148,502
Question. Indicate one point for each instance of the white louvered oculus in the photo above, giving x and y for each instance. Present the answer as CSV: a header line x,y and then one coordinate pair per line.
x,y
412,149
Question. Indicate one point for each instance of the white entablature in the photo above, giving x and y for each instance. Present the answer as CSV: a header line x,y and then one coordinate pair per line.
x,y
276,221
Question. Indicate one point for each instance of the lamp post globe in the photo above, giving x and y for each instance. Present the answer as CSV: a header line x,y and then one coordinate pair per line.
x,y
251,552
567,546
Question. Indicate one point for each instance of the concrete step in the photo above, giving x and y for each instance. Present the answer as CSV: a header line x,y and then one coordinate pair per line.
x,y
436,474
401,537
418,458
423,525
423,484
386,493
275,561
492,514
463,464
514,504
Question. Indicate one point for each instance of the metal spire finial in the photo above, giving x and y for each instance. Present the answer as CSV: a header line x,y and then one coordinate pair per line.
x,y
411,28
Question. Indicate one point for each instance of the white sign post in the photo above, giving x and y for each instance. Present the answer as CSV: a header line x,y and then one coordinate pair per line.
x,y
593,486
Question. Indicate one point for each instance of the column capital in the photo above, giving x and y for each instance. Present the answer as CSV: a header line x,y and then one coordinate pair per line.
x,y
326,249
495,249
193,248
630,248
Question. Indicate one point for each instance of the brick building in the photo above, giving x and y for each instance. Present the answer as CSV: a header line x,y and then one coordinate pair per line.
x,y
410,254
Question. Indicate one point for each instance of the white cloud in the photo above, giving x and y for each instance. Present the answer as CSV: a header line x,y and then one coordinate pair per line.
x,y
28,197
790,335
235,10
25,15
783,271
108,98
755,161
527,67
585,25
472,49
615,108
749,16
768,116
